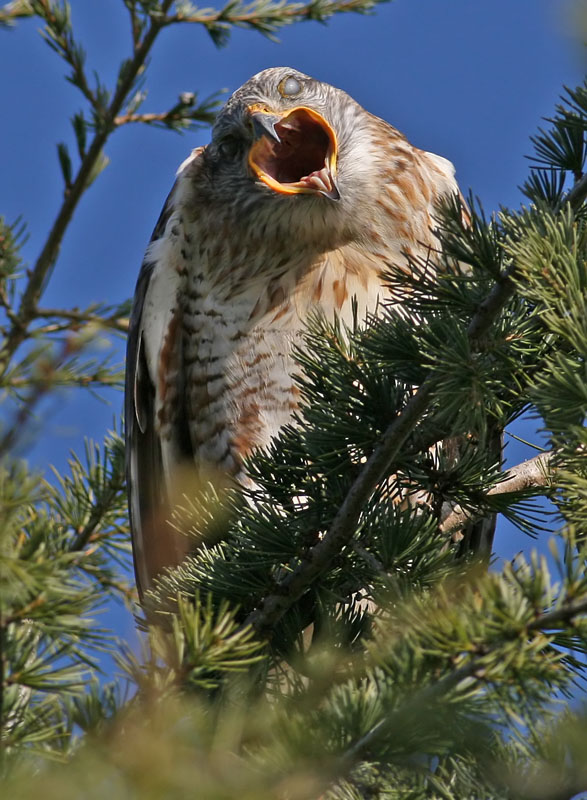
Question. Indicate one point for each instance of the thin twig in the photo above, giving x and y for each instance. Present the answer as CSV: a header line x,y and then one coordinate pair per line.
x,y
551,619
135,26
84,381
7,306
84,536
14,430
148,118
115,322
369,559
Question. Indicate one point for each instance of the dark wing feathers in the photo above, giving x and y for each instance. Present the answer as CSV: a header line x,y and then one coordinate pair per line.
x,y
155,543
144,472
150,460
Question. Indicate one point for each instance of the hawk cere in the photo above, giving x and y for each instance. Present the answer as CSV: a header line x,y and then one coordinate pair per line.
x,y
300,202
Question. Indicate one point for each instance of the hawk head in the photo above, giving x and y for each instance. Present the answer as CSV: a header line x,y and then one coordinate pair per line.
x,y
293,142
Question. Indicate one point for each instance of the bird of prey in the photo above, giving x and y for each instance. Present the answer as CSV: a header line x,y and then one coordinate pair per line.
x,y
300,202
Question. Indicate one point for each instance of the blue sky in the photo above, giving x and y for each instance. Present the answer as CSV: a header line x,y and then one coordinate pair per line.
x,y
467,80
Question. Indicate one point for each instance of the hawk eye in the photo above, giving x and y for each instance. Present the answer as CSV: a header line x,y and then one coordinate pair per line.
x,y
290,87
229,147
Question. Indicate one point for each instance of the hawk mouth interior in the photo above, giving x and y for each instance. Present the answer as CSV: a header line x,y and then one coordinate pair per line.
x,y
303,160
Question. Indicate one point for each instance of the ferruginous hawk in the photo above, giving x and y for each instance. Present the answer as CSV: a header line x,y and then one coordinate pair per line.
x,y
301,201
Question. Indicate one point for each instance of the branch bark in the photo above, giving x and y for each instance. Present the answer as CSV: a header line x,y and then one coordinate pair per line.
x,y
533,472
576,196
148,118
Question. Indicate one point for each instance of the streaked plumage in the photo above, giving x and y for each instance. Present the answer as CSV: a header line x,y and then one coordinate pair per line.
x,y
302,200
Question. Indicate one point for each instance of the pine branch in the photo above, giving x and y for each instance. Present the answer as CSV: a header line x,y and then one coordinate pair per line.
x,y
476,668
265,17
17,9
136,24
48,373
184,114
272,11
116,322
112,489
59,36
37,277
7,306
318,557
534,472
164,117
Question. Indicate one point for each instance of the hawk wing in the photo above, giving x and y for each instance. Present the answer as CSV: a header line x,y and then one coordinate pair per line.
x,y
157,440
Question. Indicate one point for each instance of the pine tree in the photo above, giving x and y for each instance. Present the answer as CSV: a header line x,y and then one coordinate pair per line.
x,y
327,638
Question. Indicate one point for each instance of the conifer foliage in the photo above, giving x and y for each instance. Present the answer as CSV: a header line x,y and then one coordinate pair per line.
x,y
331,636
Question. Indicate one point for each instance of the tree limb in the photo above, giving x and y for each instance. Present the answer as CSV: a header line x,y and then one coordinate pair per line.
x,y
576,196
533,472
490,307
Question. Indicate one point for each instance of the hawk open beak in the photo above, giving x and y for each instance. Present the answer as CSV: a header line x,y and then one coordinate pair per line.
x,y
294,152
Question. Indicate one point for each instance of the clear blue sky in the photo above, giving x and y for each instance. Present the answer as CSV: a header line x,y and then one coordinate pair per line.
x,y
467,80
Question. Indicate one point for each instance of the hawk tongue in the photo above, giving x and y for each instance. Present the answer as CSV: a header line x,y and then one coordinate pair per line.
x,y
323,182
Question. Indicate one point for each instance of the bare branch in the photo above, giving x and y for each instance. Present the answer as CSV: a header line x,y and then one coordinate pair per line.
x,y
533,472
